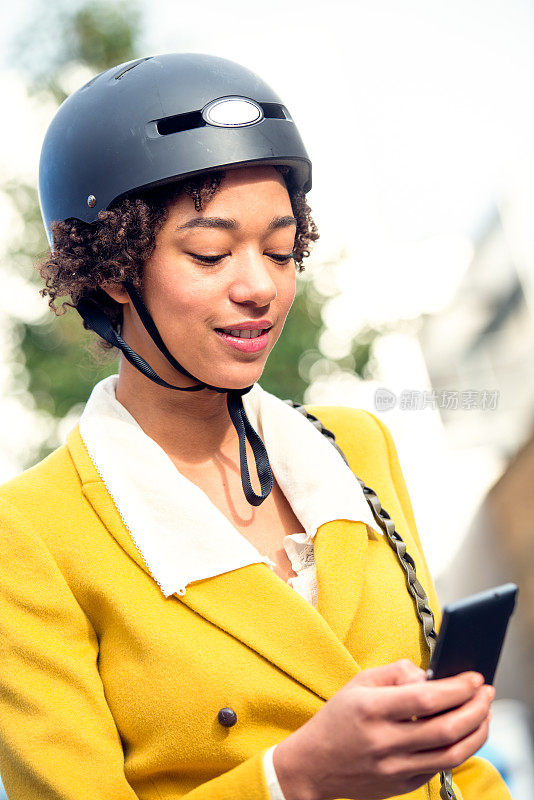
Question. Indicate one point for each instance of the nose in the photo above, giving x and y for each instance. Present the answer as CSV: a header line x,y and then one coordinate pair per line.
x,y
253,280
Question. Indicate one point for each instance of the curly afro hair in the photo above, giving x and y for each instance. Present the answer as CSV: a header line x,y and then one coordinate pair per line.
x,y
116,247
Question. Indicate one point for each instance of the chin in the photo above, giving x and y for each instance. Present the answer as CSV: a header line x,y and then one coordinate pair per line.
x,y
237,384
240,381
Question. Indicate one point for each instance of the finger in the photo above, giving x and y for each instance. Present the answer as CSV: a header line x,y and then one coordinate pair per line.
x,y
409,766
449,757
397,673
431,697
434,733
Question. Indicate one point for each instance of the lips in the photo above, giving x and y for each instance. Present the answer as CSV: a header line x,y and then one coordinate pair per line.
x,y
242,342
244,333
247,330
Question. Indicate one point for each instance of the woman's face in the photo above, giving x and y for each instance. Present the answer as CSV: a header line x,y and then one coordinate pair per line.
x,y
227,266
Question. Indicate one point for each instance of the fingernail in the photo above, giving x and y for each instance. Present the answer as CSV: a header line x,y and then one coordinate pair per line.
x,y
478,680
491,692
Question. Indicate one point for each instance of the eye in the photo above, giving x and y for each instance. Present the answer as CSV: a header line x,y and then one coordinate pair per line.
x,y
206,259
280,259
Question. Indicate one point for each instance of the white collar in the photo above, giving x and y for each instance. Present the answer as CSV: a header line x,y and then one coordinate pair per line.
x,y
180,533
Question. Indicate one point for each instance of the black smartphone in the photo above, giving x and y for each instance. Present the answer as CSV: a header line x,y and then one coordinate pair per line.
x,y
472,633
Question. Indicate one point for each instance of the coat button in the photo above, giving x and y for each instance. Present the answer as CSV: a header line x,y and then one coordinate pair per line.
x,y
227,717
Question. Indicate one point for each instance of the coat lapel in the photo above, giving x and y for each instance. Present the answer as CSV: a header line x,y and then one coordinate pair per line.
x,y
256,606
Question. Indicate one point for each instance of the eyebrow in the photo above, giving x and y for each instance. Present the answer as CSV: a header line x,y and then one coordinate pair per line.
x,y
232,224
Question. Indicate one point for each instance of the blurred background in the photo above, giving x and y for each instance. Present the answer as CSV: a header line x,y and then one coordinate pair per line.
x,y
417,302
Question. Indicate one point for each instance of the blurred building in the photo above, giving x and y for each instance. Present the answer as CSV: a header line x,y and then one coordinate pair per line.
x,y
483,344
479,353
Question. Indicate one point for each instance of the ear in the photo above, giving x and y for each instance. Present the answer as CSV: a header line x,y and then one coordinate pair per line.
x,y
116,291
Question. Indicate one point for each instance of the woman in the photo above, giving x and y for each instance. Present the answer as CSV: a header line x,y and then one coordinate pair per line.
x,y
169,629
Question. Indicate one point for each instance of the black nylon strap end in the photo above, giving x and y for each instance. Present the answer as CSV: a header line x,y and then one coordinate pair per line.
x,y
246,431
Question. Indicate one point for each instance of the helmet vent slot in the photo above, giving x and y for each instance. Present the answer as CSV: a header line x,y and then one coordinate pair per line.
x,y
180,122
119,75
274,111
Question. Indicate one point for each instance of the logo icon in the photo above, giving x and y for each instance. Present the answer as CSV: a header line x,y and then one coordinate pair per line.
x,y
384,399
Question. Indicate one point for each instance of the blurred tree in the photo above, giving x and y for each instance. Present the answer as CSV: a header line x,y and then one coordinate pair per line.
x,y
65,45
298,354
69,35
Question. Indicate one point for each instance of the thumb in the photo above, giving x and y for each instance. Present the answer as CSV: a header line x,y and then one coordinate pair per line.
x,y
397,673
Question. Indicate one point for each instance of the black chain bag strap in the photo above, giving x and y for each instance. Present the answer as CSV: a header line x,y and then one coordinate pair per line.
x,y
383,519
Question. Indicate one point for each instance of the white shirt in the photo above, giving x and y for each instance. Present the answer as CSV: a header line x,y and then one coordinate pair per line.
x,y
151,495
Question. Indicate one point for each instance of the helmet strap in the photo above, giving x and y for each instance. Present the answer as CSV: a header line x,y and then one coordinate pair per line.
x,y
99,322
150,327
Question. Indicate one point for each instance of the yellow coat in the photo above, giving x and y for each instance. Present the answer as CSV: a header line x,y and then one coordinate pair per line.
x,y
110,691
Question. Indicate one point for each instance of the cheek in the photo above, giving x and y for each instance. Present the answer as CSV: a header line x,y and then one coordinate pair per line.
x,y
287,293
179,300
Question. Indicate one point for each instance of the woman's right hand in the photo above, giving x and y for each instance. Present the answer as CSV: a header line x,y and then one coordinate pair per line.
x,y
366,742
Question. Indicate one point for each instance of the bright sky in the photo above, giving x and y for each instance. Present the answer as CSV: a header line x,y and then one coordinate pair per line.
x,y
417,115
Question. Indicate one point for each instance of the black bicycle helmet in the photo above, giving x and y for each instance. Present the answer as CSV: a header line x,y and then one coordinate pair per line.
x,y
150,122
